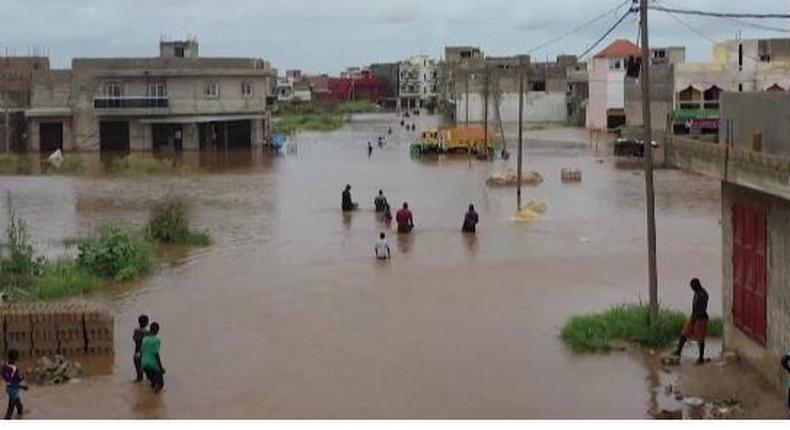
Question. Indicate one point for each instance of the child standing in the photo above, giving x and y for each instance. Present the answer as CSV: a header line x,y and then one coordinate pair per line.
x,y
137,337
13,378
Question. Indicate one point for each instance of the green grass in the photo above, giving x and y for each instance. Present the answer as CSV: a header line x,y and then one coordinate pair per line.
x,y
72,164
62,278
9,164
136,164
307,122
628,322
357,106
169,223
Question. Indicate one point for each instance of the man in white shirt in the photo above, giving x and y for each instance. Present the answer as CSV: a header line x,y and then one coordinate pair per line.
x,y
382,248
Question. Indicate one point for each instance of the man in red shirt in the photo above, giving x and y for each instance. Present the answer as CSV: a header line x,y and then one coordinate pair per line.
x,y
404,219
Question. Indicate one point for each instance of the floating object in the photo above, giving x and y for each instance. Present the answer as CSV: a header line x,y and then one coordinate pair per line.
x,y
509,178
56,370
56,158
533,211
571,174
693,408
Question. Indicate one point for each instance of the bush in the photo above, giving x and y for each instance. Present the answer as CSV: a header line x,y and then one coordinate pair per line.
x,y
629,322
116,252
9,164
61,279
142,164
71,164
357,106
169,223
307,122
19,262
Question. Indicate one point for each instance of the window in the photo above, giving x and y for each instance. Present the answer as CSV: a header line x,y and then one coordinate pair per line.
x,y
157,89
246,89
179,51
113,89
211,90
615,63
539,86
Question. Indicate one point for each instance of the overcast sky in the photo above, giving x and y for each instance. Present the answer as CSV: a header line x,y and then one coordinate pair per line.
x,y
327,36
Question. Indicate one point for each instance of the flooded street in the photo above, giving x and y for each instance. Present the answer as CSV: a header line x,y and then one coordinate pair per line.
x,y
289,315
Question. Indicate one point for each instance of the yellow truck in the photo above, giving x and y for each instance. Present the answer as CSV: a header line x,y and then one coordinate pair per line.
x,y
468,139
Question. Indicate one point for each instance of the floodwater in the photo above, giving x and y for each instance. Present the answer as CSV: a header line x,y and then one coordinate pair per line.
x,y
289,315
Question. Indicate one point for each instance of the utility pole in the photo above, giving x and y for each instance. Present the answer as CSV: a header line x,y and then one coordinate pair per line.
x,y
467,97
6,120
520,129
485,107
644,78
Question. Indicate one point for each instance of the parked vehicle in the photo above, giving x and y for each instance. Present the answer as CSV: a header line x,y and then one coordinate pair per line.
x,y
630,147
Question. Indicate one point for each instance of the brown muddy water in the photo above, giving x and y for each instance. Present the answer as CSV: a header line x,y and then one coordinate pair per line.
x,y
289,315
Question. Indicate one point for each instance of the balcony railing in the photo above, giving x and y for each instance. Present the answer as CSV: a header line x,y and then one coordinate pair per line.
x,y
130,102
707,104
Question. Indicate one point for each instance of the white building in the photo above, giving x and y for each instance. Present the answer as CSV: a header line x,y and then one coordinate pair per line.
x,y
417,82
607,71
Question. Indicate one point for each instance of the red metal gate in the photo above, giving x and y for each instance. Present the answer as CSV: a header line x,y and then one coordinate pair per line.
x,y
749,270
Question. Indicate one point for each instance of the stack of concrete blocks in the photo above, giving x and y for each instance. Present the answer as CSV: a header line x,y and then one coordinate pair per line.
x,y
38,330
571,174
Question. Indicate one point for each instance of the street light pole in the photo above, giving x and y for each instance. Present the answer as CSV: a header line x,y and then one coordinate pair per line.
x,y
644,78
520,129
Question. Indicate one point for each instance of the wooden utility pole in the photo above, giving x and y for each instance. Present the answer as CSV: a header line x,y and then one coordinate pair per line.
x,y
467,97
520,129
644,78
485,107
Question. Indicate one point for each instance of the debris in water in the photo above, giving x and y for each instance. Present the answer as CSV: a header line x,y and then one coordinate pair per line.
x,y
729,356
533,211
670,360
694,408
666,414
509,178
56,158
56,370
728,409
571,174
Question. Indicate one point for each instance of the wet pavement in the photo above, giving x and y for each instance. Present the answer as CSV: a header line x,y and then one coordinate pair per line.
x,y
289,315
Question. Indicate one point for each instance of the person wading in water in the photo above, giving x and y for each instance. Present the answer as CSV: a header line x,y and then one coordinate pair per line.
x,y
696,328
346,204
404,219
470,220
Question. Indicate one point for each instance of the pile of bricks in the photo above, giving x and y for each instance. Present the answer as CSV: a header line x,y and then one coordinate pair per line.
x,y
46,329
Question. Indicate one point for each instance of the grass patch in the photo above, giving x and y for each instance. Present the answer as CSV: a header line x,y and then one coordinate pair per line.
x,y
116,252
630,323
71,164
145,164
169,223
9,164
62,278
357,106
293,123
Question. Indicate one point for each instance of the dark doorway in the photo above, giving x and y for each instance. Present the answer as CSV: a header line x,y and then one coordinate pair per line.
x,y
226,135
114,136
239,134
51,137
168,137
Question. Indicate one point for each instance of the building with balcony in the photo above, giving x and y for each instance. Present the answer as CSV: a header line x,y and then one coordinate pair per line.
x,y
175,101
417,82
737,66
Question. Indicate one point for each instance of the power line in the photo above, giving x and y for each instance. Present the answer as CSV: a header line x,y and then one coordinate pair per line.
x,y
609,31
579,28
720,14
735,20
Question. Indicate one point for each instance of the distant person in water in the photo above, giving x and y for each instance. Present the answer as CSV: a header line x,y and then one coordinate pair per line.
x,y
346,203
13,379
696,328
382,247
470,220
150,359
405,219
386,218
137,337
380,202
389,130
370,149
413,127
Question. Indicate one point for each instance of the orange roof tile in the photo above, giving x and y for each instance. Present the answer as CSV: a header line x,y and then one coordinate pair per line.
x,y
620,48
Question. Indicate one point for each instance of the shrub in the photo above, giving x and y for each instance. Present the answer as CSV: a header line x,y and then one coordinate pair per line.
x,y
116,252
19,262
144,164
71,164
9,164
169,223
629,322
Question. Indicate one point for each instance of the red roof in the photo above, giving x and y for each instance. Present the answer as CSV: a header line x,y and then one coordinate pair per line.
x,y
620,48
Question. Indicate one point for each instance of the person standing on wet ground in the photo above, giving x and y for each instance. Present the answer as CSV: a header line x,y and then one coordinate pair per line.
x,y
370,149
13,379
405,219
346,204
150,359
380,202
470,220
696,328
137,337
382,248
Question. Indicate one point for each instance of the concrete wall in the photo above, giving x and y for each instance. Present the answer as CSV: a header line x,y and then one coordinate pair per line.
x,y
538,107
767,113
597,104
661,97
764,358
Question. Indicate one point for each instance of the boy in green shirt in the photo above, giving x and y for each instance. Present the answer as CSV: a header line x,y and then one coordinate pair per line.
x,y
150,360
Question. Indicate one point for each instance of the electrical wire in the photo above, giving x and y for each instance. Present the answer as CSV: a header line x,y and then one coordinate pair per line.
x,y
607,33
578,28
720,14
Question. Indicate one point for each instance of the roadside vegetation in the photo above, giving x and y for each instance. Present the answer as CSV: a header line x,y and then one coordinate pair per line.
x,y
111,253
9,164
317,116
628,323
146,164
356,106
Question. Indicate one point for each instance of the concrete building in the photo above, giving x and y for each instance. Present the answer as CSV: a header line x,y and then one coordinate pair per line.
x,y
737,66
388,75
662,85
548,88
607,71
175,101
16,83
753,163
417,82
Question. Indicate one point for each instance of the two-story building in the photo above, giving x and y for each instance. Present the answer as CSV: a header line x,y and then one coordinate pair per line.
x,y
176,101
